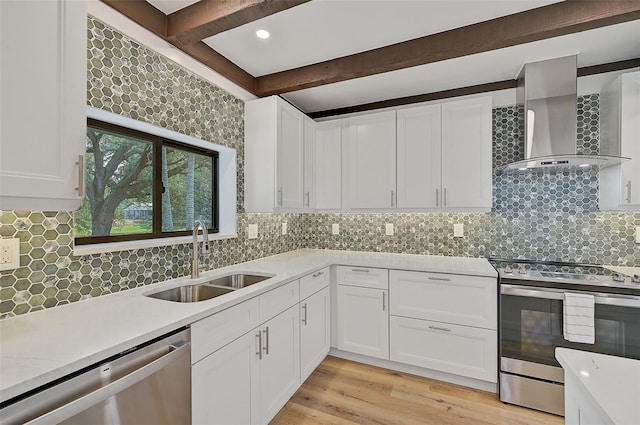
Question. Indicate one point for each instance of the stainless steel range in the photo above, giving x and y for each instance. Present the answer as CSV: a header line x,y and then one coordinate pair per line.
x,y
532,324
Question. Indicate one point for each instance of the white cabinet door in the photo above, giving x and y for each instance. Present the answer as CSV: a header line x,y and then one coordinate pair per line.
x,y
42,104
466,153
363,321
226,385
630,139
328,165
280,365
419,157
290,157
309,194
315,337
463,300
372,164
461,350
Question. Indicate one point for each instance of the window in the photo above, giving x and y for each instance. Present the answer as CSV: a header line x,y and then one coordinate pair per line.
x,y
142,186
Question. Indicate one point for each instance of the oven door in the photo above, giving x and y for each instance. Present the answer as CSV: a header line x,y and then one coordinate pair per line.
x,y
531,323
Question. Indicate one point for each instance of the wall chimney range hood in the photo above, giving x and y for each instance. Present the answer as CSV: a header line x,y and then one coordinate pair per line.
x,y
547,96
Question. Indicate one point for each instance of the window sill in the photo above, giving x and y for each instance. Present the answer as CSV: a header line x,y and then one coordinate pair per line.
x,y
148,243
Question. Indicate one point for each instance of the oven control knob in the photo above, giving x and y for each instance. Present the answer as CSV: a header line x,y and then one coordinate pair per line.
x,y
635,278
522,270
618,277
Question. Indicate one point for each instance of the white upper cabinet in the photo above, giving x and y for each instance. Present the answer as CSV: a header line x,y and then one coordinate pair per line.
x,y
466,154
419,157
42,104
620,135
274,155
327,166
372,160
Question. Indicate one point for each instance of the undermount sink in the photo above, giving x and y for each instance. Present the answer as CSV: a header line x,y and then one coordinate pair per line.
x,y
190,293
206,291
237,281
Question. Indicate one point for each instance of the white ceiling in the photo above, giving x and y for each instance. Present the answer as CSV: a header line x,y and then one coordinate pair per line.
x,y
326,29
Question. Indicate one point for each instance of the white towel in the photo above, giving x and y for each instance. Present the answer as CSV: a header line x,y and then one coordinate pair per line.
x,y
579,318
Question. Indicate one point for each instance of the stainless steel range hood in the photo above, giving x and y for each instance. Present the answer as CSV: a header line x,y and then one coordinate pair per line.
x,y
547,96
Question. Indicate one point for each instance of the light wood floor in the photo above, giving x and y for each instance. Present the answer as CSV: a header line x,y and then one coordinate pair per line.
x,y
345,392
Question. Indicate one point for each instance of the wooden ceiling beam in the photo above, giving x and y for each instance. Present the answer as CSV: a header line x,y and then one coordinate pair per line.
x,y
142,13
554,20
210,17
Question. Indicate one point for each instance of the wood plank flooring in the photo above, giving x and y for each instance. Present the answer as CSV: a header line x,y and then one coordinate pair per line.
x,y
342,392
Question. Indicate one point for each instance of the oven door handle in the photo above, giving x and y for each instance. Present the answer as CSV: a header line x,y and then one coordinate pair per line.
x,y
558,294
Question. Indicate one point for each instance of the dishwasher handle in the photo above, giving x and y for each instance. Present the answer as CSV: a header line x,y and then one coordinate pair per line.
x,y
83,403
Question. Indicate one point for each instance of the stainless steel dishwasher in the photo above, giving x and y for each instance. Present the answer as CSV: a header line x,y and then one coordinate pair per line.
x,y
148,384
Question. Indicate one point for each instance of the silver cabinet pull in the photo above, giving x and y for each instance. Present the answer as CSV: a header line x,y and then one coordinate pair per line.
x,y
360,270
304,316
445,197
80,163
444,279
317,274
280,196
308,195
259,352
384,301
629,192
266,340
439,329
437,196
391,197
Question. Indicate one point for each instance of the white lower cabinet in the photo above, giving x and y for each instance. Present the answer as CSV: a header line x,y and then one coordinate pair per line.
x,y
280,365
363,321
226,385
461,350
314,331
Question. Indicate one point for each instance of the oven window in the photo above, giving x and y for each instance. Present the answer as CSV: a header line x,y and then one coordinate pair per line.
x,y
531,329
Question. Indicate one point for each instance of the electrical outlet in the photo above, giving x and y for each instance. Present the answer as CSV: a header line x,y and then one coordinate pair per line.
x,y
335,229
388,229
252,230
284,228
9,253
637,234
458,230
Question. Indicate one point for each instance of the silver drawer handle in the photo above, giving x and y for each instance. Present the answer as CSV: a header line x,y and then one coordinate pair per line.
x,y
360,270
437,196
304,316
259,352
317,274
629,191
439,329
308,199
80,163
266,337
444,279
384,304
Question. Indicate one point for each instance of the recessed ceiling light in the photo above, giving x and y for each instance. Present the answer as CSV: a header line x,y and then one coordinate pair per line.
x,y
263,34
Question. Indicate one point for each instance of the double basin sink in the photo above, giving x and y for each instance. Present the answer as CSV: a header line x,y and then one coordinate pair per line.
x,y
208,290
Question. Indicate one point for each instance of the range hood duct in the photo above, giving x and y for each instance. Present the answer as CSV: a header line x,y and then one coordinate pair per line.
x,y
546,94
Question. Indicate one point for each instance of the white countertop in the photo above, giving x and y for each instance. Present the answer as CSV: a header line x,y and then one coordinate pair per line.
x,y
612,382
45,345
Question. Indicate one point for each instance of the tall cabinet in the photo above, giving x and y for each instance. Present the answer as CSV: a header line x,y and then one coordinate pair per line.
x,y
42,110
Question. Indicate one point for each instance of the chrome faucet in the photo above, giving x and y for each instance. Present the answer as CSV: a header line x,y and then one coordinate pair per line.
x,y
197,226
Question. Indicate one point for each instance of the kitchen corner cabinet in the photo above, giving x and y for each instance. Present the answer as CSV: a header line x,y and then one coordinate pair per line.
x,y
327,166
274,155
362,304
620,136
372,165
42,114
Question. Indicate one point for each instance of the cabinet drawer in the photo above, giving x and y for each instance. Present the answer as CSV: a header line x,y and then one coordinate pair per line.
x,y
213,332
461,350
278,300
312,283
366,277
463,300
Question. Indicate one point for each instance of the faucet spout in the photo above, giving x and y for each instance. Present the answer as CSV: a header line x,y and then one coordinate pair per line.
x,y
195,263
